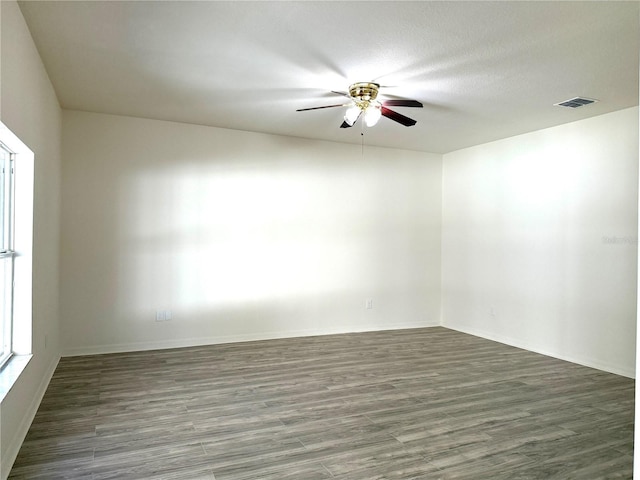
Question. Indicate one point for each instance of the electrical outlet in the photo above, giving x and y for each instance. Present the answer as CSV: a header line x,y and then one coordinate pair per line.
x,y
163,315
369,304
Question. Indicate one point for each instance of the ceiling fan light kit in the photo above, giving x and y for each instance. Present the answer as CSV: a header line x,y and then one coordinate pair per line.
x,y
352,114
363,96
372,114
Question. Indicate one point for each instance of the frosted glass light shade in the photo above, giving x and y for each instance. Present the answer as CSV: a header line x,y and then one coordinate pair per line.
x,y
372,115
352,114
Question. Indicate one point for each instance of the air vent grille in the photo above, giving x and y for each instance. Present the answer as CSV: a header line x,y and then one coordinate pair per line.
x,y
576,102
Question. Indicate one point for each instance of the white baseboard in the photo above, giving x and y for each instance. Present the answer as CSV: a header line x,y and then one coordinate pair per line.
x,y
587,362
11,453
249,337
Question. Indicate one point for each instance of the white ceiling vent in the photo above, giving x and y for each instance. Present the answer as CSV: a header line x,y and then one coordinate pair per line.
x,y
576,102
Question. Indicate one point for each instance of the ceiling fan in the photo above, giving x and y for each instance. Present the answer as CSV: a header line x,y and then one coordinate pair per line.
x,y
363,100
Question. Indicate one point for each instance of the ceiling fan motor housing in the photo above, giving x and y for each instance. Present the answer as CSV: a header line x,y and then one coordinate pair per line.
x,y
364,92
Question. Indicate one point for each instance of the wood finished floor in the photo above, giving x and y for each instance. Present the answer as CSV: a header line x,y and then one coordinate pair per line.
x,y
411,404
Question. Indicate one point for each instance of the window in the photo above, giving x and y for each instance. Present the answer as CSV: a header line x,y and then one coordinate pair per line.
x,y
6,252
16,258
17,163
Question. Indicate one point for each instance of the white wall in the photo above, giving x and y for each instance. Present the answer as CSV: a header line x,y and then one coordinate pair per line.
x,y
241,235
539,241
28,106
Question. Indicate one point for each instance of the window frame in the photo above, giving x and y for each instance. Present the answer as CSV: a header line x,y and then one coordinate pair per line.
x,y
7,252
22,237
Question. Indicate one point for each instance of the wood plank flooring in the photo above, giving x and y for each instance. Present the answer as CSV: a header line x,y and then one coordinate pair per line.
x,y
414,404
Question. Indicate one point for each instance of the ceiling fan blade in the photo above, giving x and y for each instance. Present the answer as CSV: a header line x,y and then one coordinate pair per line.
x,y
402,103
397,117
345,94
318,108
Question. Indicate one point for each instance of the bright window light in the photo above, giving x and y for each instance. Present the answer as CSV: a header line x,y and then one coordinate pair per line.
x,y
6,254
16,245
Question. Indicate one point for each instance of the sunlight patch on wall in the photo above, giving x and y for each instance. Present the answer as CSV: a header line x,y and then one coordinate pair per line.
x,y
206,237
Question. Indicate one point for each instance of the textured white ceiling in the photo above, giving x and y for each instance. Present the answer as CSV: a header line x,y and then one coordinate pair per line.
x,y
483,70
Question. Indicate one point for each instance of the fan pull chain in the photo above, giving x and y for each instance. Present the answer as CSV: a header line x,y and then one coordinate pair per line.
x,y
362,138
